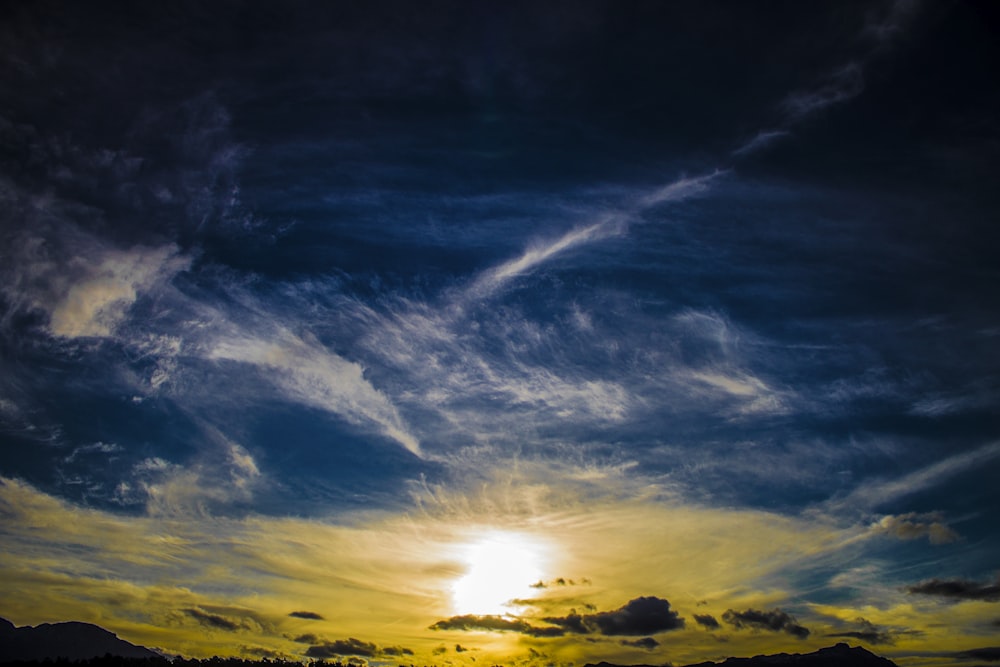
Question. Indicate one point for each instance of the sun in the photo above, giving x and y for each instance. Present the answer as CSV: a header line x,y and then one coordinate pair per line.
x,y
501,568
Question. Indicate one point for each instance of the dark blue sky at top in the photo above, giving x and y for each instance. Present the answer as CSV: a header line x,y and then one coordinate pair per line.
x,y
347,171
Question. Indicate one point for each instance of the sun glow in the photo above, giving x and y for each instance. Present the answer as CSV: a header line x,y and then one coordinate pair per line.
x,y
501,569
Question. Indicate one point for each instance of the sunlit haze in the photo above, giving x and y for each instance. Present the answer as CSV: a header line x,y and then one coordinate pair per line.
x,y
501,569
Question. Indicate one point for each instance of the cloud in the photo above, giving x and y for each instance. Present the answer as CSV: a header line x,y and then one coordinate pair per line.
x,y
343,647
754,396
775,620
308,615
214,620
681,189
310,373
85,285
707,621
841,85
958,589
914,526
886,27
495,624
878,492
105,287
560,581
760,141
489,282
867,632
647,643
94,448
987,653
222,477
641,616
492,280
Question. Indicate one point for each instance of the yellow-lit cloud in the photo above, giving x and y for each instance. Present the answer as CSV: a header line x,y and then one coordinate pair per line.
x,y
107,285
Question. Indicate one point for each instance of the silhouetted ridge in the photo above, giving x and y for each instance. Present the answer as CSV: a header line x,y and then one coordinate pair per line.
x,y
72,640
840,655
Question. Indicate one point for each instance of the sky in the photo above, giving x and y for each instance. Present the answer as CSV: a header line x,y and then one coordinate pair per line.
x,y
509,333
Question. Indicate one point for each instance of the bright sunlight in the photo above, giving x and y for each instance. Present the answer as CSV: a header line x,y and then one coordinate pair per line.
x,y
501,568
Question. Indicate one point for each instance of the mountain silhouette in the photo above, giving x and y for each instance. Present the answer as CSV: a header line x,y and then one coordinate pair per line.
x,y
839,655
73,640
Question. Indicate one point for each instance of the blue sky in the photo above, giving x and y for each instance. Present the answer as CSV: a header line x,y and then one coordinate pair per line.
x,y
634,331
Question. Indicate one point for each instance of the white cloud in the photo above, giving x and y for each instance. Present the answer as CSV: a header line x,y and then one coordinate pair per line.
x,y
222,476
308,372
99,288
754,394
492,280
681,189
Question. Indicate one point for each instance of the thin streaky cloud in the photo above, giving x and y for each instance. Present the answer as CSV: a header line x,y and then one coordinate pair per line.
x,y
871,495
494,279
681,189
842,85
760,141
311,374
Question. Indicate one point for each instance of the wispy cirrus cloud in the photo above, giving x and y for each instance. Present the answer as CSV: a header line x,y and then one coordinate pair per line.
x,y
218,479
84,285
609,224
840,85
97,301
309,373
874,493
492,280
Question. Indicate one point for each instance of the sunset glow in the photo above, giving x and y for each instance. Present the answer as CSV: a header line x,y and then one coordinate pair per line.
x,y
501,568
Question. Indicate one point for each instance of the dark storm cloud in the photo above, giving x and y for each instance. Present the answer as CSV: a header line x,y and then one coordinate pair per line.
x,y
308,638
572,622
343,647
987,653
308,615
647,643
214,620
957,589
707,621
497,624
867,632
641,616
775,620
230,619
